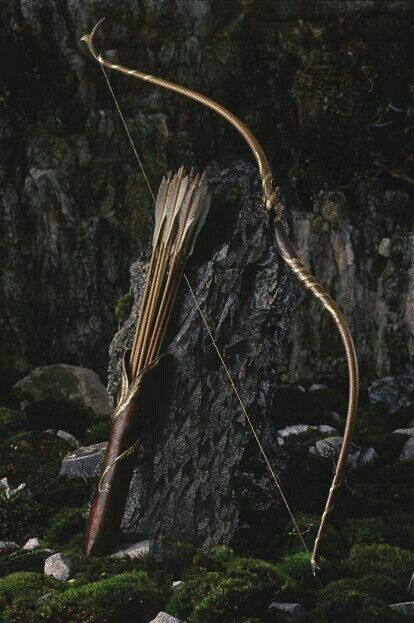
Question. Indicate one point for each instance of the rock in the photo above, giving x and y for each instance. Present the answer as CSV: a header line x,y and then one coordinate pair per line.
x,y
83,462
134,550
176,585
407,453
405,607
58,566
70,439
31,544
9,492
409,432
384,247
393,391
325,429
163,617
366,457
316,386
63,396
44,598
410,587
291,611
8,547
329,447
198,420
294,430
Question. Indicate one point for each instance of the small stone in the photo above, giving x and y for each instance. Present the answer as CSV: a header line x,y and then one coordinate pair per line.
x,y
366,457
405,607
407,454
316,386
7,547
163,617
295,429
83,462
31,544
44,598
410,587
384,247
177,584
325,429
404,431
70,439
58,566
330,446
290,611
134,550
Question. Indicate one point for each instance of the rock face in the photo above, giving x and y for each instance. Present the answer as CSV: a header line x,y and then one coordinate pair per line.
x,y
395,392
184,482
62,396
75,212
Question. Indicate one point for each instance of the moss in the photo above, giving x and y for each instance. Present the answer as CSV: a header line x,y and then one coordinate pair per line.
x,y
381,559
123,307
23,561
11,422
97,432
184,600
34,458
21,518
392,529
19,593
297,566
17,583
177,558
126,597
344,601
64,525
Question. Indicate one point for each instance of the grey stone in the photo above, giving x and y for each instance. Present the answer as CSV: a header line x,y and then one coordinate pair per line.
x,y
326,429
409,432
203,433
44,598
384,247
367,457
60,395
294,430
70,439
163,617
291,611
177,584
393,391
407,453
58,566
405,607
8,547
31,544
329,447
316,386
410,587
133,550
83,462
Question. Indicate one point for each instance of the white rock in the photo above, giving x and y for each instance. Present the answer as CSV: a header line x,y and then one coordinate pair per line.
x,y
9,492
295,429
404,431
69,438
410,587
134,550
31,544
407,454
325,429
384,247
405,607
316,386
291,611
7,547
58,566
163,617
177,584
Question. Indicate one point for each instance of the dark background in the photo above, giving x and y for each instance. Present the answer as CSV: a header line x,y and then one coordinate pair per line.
x,y
326,86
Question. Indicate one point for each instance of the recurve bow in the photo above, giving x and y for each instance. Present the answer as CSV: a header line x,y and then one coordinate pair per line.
x,y
272,204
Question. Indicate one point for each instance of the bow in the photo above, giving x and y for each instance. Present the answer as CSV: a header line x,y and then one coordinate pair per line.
x,y
272,204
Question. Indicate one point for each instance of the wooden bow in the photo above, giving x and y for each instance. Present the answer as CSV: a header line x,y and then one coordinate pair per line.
x,y
272,204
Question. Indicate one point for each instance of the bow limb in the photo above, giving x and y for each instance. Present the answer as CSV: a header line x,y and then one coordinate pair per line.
x,y
272,205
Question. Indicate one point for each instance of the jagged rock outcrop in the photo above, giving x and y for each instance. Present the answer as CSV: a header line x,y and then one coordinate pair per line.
x,y
186,477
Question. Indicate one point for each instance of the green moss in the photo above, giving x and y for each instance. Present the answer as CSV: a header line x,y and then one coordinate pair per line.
x,y
23,561
344,601
64,525
297,566
333,546
21,518
33,458
15,584
97,432
177,558
11,422
129,596
19,593
123,307
184,600
389,560
392,529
